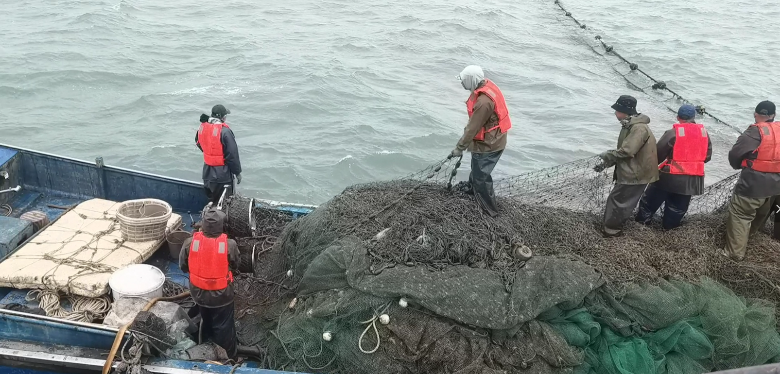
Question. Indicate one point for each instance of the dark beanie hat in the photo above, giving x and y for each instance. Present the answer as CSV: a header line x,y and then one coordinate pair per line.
x,y
766,108
219,111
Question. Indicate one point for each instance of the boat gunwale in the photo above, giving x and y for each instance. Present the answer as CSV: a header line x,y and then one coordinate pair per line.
x,y
294,208
272,203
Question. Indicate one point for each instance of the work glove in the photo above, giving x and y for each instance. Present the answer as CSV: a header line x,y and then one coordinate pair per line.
x,y
238,178
600,167
204,118
603,155
455,153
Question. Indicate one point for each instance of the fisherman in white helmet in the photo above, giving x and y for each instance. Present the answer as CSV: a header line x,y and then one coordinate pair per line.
x,y
484,135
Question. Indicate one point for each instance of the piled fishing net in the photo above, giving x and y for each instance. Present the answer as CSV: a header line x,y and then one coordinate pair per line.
x,y
409,276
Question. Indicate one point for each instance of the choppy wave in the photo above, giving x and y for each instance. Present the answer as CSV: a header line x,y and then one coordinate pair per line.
x,y
331,93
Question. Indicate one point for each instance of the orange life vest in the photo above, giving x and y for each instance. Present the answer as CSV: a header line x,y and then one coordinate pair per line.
x,y
208,262
491,90
210,140
768,152
690,150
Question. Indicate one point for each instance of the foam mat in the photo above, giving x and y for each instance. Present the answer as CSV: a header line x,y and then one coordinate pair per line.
x,y
78,253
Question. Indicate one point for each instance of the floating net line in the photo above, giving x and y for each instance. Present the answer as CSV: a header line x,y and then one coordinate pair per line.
x,y
603,48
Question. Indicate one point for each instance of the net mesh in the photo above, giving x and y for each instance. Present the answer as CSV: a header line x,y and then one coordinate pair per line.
x,y
409,276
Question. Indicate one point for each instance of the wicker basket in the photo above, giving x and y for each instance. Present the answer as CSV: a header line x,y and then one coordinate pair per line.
x,y
143,220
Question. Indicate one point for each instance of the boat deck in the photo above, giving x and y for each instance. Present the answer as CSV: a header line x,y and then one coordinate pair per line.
x,y
53,184
55,206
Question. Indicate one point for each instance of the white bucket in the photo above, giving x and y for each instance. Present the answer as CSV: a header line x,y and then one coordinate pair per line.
x,y
138,280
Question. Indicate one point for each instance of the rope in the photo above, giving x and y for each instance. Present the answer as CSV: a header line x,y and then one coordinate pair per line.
x,y
657,84
437,167
371,323
83,309
7,210
96,253
171,288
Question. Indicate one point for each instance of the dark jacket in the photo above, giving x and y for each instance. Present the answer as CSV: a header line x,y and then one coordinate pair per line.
x,y
676,183
213,224
752,183
636,157
215,175
483,116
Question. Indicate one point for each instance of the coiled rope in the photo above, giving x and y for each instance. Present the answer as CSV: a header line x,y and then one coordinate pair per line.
x,y
657,84
83,309
372,324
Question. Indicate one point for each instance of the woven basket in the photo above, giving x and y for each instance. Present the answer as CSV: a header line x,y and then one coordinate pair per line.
x,y
143,220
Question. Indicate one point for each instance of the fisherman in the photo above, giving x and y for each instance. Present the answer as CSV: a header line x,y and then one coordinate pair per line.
x,y
635,161
682,153
209,259
220,154
485,134
757,153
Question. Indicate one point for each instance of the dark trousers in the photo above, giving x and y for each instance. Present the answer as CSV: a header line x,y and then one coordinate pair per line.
x,y
219,325
214,191
481,181
675,206
620,206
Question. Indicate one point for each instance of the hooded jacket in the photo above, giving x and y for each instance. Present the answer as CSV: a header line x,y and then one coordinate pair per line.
x,y
636,156
213,226
216,175
484,116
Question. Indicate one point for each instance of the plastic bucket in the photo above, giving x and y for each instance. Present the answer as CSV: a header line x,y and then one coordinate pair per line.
x,y
175,240
138,280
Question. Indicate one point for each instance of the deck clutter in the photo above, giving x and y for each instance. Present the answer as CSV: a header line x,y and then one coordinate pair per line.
x,y
77,253
69,263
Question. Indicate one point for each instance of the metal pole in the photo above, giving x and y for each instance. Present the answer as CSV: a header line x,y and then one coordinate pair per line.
x,y
101,170
763,369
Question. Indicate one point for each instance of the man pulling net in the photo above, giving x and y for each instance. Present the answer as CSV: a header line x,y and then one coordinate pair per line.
x,y
484,136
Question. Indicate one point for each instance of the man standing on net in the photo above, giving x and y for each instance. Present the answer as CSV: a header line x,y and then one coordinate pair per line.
x,y
635,161
682,153
209,257
757,153
220,153
485,134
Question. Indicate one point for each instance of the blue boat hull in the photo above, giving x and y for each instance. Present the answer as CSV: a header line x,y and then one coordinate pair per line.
x,y
32,344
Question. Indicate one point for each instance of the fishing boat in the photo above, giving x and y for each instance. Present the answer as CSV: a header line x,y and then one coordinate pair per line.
x,y
52,186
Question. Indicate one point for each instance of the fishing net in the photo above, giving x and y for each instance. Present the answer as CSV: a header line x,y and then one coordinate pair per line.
x,y
254,295
409,276
255,233
240,222
669,327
